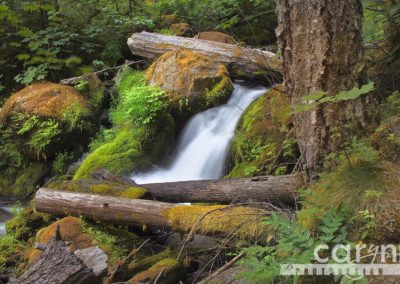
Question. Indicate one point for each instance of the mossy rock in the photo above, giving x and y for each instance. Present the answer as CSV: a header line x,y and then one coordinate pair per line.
x,y
191,81
171,271
132,149
25,224
22,182
99,187
80,235
46,118
263,138
93,89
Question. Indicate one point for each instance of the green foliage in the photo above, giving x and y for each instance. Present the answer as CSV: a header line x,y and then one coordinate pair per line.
x,y
252,21
293,245
391,106
9,247
44,135
137,103
310,102
55,39
61,162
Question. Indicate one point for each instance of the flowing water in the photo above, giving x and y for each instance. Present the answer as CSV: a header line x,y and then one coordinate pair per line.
x,y
6,205
203,146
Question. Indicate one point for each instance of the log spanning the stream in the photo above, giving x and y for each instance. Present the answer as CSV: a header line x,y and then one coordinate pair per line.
x,y
273,189
240,60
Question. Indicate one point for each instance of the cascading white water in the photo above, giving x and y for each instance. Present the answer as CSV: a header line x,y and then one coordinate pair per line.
x,y
204,143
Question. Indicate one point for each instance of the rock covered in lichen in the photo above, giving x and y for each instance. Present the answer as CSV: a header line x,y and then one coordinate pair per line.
x,y
46,118
192,81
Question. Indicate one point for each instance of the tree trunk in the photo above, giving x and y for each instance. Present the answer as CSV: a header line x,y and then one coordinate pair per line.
x,y
239,60
321,44
59,265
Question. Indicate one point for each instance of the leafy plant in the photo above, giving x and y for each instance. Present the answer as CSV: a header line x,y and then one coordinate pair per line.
x,y
312,101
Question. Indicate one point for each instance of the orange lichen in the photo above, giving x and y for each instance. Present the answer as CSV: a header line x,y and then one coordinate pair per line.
x,y
43,99
71,231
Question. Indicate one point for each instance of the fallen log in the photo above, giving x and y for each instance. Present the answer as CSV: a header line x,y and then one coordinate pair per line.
x,y
59,265
244,222
274,189
239,60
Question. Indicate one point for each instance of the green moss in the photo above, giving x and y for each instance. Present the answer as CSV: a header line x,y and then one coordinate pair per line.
x,y
10,251
99,187
145,263
26,223
386,138
131,149
21,182
263,141
220,92
142,129
171,270
218,219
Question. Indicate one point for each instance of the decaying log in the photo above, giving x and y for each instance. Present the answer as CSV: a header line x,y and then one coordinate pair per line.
x,y
59,265
239,60
242,221
135,212
274,189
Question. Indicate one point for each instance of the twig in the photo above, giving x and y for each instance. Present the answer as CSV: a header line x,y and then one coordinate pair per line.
x,y
159,276
223,268
74,79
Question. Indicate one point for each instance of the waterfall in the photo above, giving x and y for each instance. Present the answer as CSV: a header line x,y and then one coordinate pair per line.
x,y
203,145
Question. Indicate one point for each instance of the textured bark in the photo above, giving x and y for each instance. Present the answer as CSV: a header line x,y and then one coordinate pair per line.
x,y
103,208
275,189
59,265
238,59
321,44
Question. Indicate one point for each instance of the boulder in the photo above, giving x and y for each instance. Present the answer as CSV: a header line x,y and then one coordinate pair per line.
x,y
181,29
216,36
191,81
170,19
262,140
46,118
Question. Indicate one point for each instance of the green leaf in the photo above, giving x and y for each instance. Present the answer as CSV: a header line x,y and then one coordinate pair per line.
x,y
314,96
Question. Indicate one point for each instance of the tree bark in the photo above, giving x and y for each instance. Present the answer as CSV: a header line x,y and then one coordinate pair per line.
x,y
59,265
123,211
238,59
322,50
274,189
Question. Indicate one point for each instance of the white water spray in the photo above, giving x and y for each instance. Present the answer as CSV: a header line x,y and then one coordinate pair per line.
x,y
204,143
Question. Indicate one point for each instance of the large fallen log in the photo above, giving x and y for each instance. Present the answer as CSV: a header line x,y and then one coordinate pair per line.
x,y
214,220
239,60
274,189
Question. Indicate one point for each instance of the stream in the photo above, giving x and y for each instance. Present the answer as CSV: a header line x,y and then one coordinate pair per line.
x,y
6,205
203,146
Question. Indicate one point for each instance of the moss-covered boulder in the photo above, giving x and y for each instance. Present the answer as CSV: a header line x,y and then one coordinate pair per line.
x,y
81,235
22,181
263,142
143,129
46,118
191,81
